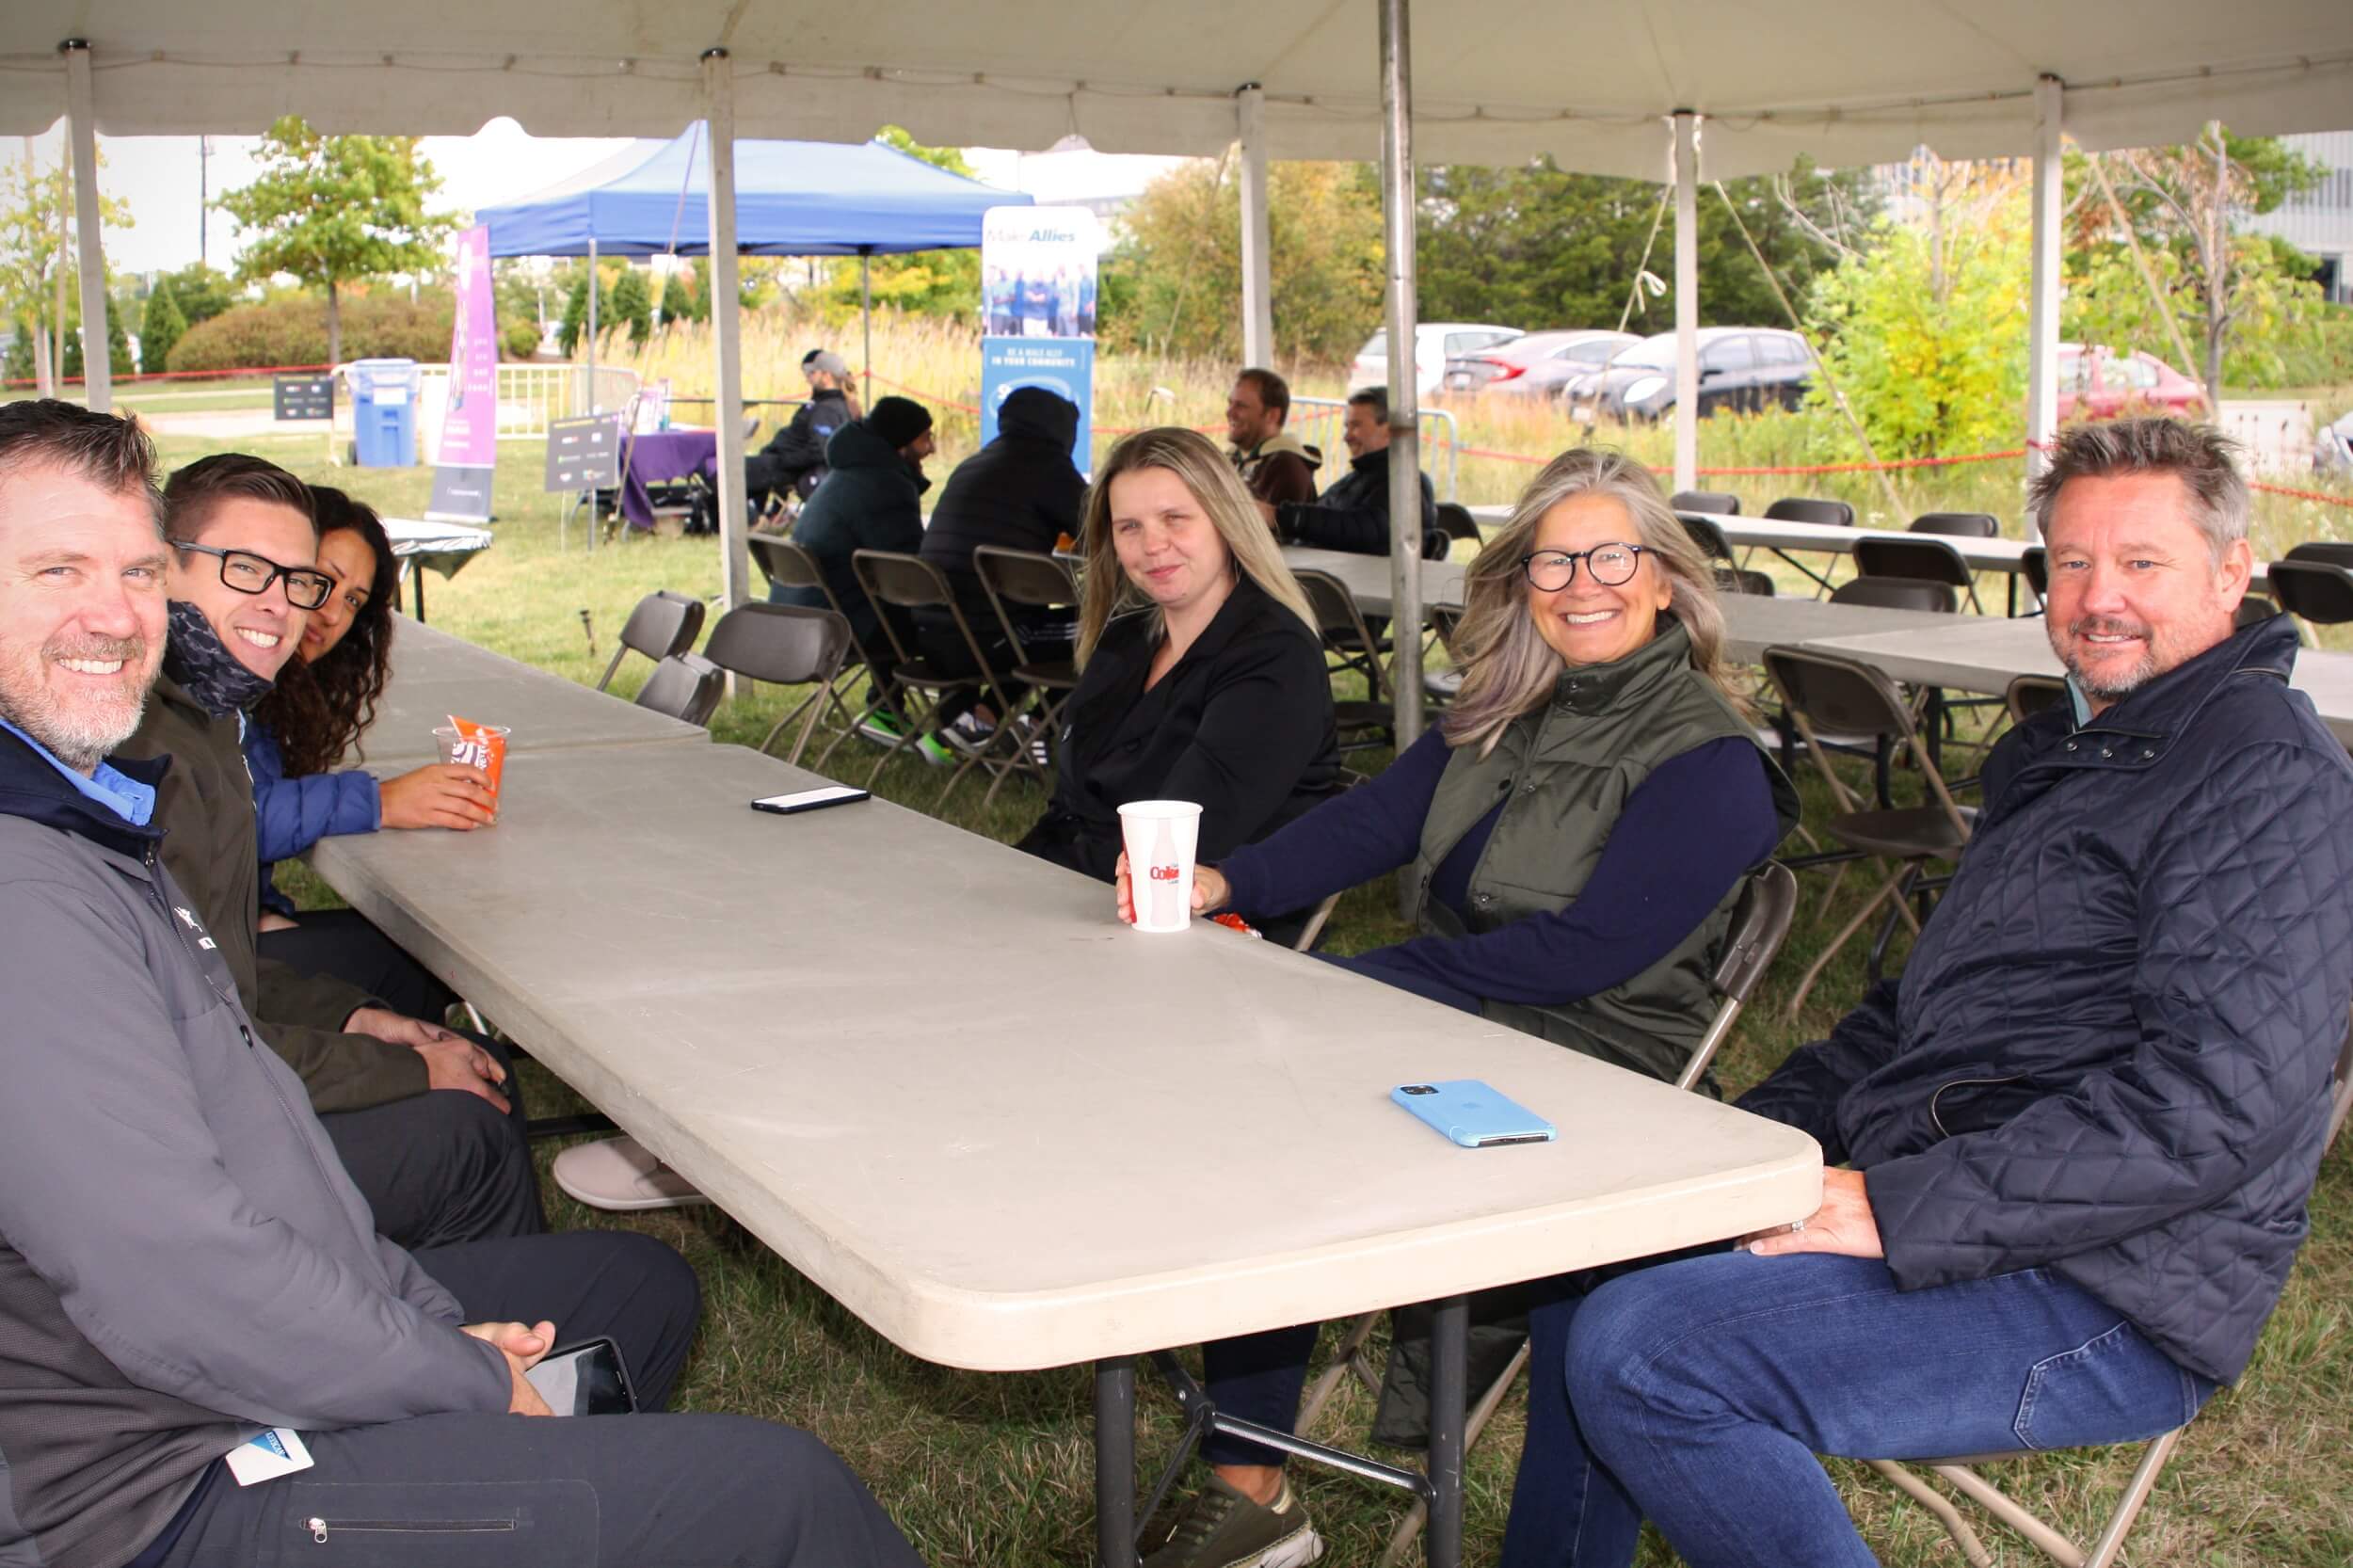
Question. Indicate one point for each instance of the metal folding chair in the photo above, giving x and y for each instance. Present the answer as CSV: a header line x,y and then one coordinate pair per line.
x,y
1721,503
1372,721
2313,588
1457,521
786,645
1023,580
664,623
1821,691
685,686
786,565
1760,922
1806,509
1923,557
1962,1475
910,583
2030,694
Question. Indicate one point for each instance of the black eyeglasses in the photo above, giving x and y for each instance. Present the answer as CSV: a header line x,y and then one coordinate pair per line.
x,y
249,573
1611,566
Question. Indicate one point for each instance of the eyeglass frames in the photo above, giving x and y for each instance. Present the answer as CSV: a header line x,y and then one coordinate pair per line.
x,y
1612,566
249,573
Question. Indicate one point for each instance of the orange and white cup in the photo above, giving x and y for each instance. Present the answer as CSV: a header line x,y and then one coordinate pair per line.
x,y
480,747
1161,837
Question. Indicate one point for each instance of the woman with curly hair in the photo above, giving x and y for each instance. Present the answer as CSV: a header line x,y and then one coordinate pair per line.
x,y
324,699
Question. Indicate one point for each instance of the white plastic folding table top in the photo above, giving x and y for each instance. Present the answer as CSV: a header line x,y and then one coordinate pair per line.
x,y
781,1008
1366,577
1984,653
435,675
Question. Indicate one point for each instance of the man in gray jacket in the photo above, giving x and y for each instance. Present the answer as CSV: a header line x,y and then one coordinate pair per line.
x,y
185,1268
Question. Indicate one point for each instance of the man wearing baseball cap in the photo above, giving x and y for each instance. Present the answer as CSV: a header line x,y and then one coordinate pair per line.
x,y
795,459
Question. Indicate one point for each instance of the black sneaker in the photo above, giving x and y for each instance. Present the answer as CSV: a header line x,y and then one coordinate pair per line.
x,y
1222,1529
970,734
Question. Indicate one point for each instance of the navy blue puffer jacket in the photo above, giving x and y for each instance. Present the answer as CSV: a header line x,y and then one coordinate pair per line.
x,y
2110,1053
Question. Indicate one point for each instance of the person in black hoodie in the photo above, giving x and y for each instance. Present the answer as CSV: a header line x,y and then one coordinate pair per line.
x,y
1202,677
871,500
1354,515
1021,491
795,459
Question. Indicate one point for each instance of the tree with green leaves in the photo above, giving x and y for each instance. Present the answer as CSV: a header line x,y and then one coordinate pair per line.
x,y
333,209
33,247
677,304
631,304
1172,285
160,326
200,292
922,282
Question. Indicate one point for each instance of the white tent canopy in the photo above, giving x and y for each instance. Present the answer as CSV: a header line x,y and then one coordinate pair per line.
x,y
1494,81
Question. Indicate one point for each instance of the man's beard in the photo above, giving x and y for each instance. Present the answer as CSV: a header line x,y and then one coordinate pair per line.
x,y
79,736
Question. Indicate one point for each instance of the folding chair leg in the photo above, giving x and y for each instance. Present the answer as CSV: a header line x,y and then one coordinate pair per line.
x,y
1936,1503
1814,970
1347,1357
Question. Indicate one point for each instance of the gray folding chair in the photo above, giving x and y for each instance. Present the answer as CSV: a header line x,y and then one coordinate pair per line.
x,y
786,645
2030,694
1806,509
1960,1474
1371,722
910,583
1721,503
1458,521
664,623
2341,1091
786,565
1709,537
685,686
1760,922
1023,580
1922,556
1824,692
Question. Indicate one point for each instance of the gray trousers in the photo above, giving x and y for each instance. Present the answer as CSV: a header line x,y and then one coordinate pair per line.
x,y
645,1491
444,1167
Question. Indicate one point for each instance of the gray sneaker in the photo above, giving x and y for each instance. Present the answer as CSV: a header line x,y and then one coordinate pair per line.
x,y
1222,1529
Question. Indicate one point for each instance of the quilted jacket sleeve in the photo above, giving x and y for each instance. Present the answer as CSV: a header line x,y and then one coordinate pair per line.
x,y
292,814
2244,905
1805,1090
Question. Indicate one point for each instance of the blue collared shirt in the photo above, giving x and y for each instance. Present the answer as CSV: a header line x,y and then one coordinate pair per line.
x,y
126,797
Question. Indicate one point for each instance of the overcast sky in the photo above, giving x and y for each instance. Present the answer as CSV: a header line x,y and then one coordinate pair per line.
x,y
163,179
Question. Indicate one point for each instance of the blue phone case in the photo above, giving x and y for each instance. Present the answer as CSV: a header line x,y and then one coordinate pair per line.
x,y
1472,1114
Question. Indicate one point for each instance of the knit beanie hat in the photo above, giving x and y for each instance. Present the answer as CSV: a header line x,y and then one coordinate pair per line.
x,y
899,420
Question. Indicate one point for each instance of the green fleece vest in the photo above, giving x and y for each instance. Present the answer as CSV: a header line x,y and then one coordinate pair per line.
x,y
1565,771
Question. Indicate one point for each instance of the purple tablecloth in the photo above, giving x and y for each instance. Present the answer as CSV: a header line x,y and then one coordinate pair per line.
x,y
663,455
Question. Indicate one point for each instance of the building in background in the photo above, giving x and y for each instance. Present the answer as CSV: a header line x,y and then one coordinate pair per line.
x,y
2319,223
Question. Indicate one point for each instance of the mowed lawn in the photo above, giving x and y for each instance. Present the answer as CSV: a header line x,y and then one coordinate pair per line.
x,y
995,1470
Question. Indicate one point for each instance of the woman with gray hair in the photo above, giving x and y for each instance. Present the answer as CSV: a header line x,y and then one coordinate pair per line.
x,y
1579,826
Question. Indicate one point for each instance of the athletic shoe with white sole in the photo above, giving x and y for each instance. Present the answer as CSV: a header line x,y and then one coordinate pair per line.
x,y
1223,1528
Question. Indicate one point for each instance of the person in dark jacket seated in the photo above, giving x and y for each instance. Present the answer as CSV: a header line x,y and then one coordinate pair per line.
x,y
1579,825
871,499
1200,677
2071,1147
1354,515
427,1122
1021,491
324,698
793,461
187,1273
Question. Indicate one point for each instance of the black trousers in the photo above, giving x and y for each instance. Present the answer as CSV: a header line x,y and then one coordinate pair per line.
x,y
444,1167
347,945
474,1491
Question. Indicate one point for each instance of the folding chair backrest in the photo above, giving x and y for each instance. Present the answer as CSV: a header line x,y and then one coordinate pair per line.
x,y
664,623
2329,550
1722,503
1709,537
2341,1090
908,582
1343,625
785,645
1841,696
1742,580
1898,593
2036,563
685,686
1024,578
787,565
1769,901
1457,521
1958,525
2312,589
1806,509
1924,558
2253,607
2030,694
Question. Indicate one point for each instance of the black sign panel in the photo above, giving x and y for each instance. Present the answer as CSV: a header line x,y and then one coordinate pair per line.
x,y
584,454
302,397
460,495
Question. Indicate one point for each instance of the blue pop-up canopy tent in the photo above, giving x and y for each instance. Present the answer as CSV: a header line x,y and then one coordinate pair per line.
x,y
792,198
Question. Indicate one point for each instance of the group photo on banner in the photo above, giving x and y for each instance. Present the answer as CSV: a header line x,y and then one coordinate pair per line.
x,y
1038,282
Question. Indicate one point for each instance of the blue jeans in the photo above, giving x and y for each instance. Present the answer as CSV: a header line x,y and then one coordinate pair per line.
x,y
1696,1393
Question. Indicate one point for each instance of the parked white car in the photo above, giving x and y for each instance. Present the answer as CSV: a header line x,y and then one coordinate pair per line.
x,y
1434,343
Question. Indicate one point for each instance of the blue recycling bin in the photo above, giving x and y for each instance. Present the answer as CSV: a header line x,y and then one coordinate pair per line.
x,y
384,412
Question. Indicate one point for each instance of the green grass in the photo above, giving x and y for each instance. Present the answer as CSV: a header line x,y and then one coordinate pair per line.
x,y
997,1470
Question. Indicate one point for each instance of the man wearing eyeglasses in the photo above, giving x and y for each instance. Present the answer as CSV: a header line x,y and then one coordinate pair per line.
x,y
426,1121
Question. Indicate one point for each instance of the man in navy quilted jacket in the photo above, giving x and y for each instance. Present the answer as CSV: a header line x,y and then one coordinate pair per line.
x,y
2077,1138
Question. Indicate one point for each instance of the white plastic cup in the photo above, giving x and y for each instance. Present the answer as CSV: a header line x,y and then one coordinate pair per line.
x,y
1161,837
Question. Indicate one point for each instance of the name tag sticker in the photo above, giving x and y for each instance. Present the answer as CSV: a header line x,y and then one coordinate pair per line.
x,y
276,1452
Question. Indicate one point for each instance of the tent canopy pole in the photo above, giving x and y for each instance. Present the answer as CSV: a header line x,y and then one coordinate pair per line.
x,y
97,361
725,320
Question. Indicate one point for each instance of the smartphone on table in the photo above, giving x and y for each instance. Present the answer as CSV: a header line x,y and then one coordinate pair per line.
x,y
811,800
1472,1113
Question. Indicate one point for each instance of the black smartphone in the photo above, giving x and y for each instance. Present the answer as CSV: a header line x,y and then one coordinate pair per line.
x,y
586,1379
811,800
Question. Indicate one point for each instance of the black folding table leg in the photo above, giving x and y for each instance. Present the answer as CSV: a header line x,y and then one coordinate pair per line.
x,y
1115,1462
418,567
1450,1359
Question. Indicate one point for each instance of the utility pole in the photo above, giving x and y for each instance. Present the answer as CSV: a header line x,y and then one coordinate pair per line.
x,y
203,198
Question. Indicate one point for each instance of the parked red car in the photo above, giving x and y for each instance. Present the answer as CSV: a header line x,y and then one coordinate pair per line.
x,y
2102,383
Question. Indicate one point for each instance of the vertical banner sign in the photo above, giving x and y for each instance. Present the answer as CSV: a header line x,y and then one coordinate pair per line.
x,y
470,426
1039,292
